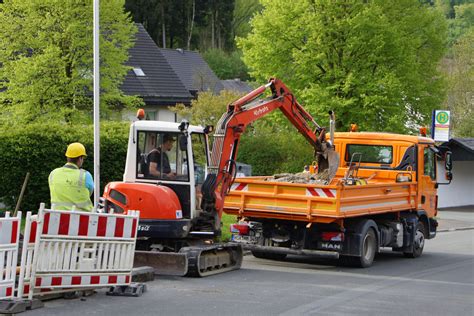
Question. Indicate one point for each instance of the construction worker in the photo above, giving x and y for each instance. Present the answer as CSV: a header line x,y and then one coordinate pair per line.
x,y
70,186
240,173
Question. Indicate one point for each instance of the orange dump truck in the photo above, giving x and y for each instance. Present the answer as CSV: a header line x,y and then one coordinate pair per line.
x,y
383,195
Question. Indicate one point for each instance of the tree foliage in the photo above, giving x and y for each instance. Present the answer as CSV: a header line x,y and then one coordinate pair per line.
x,y
227,65
243,12
373,62
191,24
208,108
460,15
461,85
46,57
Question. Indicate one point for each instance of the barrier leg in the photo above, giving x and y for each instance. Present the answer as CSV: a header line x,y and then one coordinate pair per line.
x,y
134,289
19,305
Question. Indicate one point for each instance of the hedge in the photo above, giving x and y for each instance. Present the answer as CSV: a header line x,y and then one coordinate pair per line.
x,y
270,152
40,148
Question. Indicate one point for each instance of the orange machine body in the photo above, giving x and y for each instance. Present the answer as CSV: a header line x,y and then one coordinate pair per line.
x,y
153,201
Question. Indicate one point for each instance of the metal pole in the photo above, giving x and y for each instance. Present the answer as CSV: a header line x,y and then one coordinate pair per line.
x,y
20,198
96,104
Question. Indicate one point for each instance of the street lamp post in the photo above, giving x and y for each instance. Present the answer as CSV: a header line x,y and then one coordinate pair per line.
x,y
96,57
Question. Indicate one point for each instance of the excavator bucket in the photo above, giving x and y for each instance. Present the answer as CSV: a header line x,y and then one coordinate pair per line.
x,y
164,263
333,162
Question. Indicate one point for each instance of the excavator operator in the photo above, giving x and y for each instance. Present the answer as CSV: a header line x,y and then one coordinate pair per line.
x,y
159,161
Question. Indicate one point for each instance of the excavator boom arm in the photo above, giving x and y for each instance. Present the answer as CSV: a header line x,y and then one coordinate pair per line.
x,y
233,123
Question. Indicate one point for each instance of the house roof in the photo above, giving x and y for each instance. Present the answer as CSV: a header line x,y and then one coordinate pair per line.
x,y
193,70
158,84
236,85
462,148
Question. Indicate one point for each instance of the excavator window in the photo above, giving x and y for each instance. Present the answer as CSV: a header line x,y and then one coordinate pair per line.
x,y
200,163
159,157
199,156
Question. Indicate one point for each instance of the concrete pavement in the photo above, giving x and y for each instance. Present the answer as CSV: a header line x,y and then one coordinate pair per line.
x,y
460,218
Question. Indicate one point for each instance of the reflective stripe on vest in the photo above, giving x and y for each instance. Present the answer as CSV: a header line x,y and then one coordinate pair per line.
x,y
68,190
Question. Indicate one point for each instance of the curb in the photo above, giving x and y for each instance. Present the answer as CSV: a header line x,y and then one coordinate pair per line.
x,y
455,229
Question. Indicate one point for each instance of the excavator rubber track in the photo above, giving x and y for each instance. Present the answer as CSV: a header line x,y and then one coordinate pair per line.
x,y
195,261
209,260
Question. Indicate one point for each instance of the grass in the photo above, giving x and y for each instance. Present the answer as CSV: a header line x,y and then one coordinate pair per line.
x,y
226,221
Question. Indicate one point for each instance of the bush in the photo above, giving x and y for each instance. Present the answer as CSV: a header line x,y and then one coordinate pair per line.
x,y
40,148
271,150
227,65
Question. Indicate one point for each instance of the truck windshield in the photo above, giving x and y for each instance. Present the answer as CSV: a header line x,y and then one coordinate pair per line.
x,y
370,153
159,157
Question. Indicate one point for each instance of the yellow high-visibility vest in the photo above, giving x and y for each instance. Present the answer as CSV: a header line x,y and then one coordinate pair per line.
x,y
67,186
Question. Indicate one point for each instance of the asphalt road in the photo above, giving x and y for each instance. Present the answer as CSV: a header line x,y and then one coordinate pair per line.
x,y
441,282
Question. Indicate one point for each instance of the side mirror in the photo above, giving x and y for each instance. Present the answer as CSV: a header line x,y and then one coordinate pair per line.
x,y
183,142
449,176
448,161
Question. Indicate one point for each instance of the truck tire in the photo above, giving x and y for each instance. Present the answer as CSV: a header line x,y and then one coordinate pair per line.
x,y
266,255
368,250
418,243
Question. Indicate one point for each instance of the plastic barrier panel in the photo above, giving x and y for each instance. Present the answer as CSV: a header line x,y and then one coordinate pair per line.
x,y
71,249
9,240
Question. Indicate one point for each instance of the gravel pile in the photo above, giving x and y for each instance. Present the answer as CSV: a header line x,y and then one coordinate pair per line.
x,y
301,177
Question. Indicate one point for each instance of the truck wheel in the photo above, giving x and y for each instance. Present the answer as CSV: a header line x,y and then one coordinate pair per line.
x,y
270,256
418,243
368,250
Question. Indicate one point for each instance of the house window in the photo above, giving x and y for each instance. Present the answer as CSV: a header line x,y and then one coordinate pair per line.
x,y
138,72
150,115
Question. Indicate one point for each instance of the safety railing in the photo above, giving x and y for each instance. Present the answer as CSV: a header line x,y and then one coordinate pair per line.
x,y
9,241
71,249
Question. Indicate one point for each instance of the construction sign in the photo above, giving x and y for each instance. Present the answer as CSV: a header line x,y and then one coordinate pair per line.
x,y
440,125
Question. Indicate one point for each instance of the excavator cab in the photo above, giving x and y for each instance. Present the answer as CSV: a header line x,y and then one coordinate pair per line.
x,y
165,168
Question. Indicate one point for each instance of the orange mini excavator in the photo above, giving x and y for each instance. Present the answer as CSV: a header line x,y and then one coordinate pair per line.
x,y
179,187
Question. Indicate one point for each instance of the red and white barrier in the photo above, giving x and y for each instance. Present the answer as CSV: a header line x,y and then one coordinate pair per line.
x,y
9,240
71,249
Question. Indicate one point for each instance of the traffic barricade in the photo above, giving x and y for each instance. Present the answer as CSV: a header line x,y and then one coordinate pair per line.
x,y
67,250
9,241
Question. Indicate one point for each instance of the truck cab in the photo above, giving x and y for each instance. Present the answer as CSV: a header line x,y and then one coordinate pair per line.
x,y
412,158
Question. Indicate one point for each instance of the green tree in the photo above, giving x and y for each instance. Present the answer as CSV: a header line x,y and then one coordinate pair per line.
x,y
462,22
461,85
244,10
46,57
227,65
190,24
208,108
373,62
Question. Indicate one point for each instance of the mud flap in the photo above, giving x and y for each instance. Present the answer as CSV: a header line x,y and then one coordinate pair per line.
x,y
164,263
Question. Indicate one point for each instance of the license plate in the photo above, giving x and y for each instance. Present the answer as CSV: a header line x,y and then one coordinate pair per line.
x,y
244,239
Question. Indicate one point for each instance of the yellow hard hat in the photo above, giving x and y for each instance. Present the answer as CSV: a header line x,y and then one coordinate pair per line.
x,y
75,150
